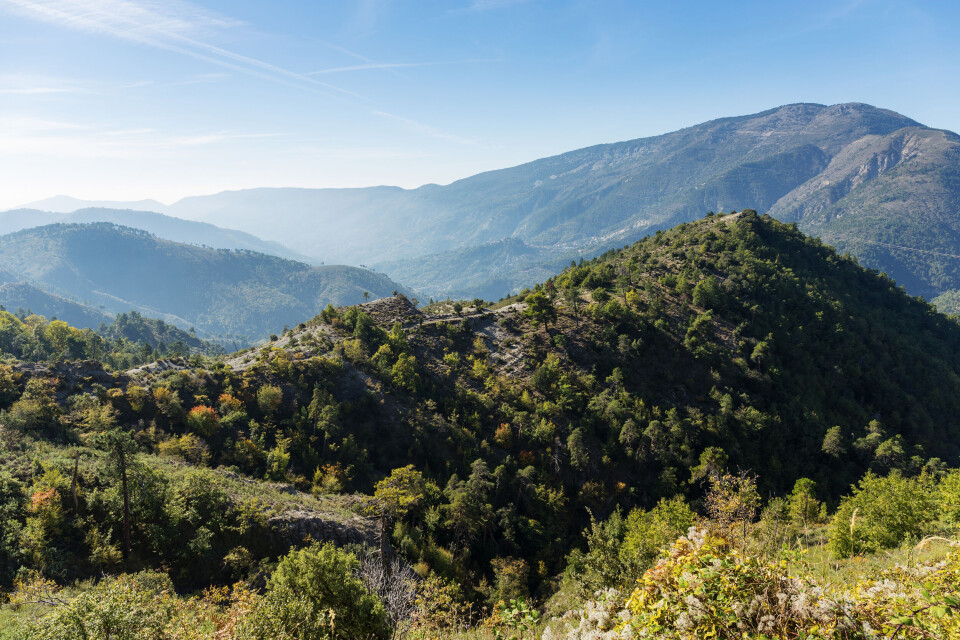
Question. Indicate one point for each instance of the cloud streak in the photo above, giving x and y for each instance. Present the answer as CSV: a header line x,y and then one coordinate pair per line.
x,y
35,91
186,29
54,138
171,25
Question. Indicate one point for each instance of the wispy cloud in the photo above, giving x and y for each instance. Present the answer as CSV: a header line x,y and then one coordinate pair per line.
x,y
37,85
129,132
187,29
33,137
392,66
171,25
216,138
202,78
26,125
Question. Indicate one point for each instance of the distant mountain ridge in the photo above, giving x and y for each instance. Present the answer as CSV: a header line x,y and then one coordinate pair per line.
x,y
849,172
227,293
869,180
161,225
68,204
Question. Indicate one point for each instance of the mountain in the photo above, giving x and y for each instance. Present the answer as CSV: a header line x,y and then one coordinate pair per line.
x,y
867,180
67,204
893,201
163,226
218,291
858,175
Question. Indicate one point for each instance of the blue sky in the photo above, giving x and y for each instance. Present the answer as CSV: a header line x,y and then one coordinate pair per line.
x,y
130,99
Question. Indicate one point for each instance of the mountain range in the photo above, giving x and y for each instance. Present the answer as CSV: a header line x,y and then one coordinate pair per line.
x,y
867,180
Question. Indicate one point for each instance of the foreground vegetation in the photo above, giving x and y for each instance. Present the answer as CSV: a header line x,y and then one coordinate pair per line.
x,y
732,575
729,375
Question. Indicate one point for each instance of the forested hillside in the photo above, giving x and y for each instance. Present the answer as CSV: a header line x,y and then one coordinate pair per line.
x,y
234,295
496,449
129,340
20,295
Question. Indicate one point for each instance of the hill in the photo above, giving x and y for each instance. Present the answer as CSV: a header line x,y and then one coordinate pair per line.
x,y
162,338
858,175
497,447
162,226
731,342
227,293
20,295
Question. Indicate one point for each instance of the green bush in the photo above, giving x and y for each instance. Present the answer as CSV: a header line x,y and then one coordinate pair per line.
x,y
621,548
314,595
131,607
881,513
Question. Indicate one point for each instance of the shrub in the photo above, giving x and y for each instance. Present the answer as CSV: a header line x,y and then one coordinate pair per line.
x,y
269,398
131,607
881,513
950,497
512,576
707,588
203,421
648,533
189,447
314,595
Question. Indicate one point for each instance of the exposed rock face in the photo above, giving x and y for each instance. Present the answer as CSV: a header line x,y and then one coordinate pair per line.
x,y
72,377
293,528
387,311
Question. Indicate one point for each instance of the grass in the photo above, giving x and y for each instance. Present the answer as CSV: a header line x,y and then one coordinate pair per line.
x,y
278,497
815,559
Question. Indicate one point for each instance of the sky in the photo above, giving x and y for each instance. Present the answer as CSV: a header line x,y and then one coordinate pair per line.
x,y
132,99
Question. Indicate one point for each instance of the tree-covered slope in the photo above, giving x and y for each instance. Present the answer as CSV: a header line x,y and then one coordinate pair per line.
x,y
496,447
20,295
730,342
218,291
